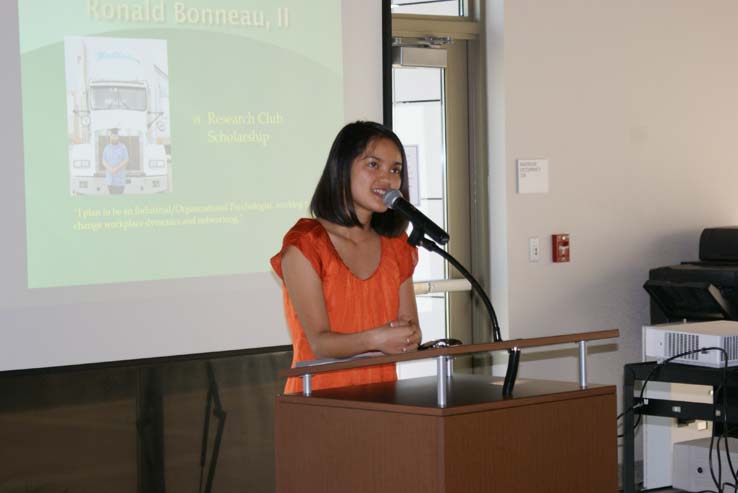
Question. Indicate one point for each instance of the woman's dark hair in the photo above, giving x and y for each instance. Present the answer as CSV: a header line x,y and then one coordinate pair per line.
x,y
332,199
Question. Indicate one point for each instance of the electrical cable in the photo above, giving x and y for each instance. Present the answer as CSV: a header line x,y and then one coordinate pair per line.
x,y
669,360
726,438
718,478
730,462
723,394
648,378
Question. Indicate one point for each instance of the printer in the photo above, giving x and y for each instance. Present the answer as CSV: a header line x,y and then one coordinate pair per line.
x,y
701,290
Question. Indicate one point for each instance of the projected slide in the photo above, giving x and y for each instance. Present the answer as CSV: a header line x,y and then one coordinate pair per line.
x,y
171,139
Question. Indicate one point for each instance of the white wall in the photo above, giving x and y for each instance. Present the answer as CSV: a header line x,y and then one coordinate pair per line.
x,y
635,104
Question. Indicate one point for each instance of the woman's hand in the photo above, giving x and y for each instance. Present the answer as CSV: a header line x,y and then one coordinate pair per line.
x,y
397,336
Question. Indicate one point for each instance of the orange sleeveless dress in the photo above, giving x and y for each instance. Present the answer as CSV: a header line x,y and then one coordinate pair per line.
x,y
353,304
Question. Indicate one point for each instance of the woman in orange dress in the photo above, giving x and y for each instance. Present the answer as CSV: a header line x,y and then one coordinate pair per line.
x,y
347,273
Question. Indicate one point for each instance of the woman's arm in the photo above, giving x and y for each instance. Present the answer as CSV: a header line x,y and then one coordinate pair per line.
x,y
305,290
409,310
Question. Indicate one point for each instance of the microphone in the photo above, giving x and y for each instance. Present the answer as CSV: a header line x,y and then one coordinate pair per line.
x,y
395,201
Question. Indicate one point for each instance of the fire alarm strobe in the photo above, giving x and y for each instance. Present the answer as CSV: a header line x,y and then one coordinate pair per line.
x,y
560,247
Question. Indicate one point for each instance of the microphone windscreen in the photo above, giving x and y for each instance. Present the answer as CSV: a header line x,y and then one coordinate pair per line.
x,y
391,196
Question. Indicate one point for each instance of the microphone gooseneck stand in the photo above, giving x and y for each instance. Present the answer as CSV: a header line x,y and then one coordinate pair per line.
x,y
418,238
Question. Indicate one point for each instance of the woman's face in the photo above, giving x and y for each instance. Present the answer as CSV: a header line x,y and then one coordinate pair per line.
x,y
373,174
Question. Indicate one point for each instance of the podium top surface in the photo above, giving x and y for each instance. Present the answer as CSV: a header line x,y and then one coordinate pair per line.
x,y
466,393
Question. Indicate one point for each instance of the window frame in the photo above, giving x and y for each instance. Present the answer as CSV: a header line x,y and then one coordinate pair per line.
x,y
468,28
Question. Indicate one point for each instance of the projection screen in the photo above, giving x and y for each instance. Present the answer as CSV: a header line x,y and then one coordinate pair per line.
x,y
157,151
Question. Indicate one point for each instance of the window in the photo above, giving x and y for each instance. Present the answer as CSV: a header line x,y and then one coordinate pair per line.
x,y
428,7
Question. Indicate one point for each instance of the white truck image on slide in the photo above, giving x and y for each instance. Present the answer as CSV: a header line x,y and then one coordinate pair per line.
x,y
122,85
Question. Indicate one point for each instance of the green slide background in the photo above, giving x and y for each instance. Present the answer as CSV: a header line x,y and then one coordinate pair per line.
x,y
226,70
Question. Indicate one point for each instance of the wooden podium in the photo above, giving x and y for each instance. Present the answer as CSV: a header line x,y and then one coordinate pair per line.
x,y
449,433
